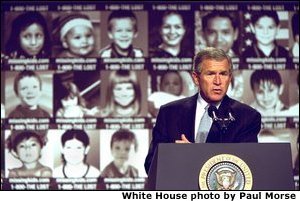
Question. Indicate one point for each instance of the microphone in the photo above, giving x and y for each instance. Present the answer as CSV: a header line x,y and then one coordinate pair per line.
x,y
212,112
231,117
222,122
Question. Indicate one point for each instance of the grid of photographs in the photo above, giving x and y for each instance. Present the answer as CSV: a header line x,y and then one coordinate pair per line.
x,y
82,83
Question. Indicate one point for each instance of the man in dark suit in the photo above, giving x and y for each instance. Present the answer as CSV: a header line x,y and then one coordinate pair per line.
x,y
178,122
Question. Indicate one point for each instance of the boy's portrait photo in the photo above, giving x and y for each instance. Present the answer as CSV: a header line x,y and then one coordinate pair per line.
x,y
76,34
270,94
123,152
124,34
266,35
28,94
219,29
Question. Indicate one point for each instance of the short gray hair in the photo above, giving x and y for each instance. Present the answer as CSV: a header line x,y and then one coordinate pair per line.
x,y
210,53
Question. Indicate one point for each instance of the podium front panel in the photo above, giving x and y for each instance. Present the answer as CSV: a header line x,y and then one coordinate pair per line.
x,y
177,166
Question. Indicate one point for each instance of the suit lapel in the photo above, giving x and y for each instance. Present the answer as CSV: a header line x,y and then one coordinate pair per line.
x,y
187,118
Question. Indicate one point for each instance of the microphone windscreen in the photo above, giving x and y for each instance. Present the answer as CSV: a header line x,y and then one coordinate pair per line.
x,y
212,109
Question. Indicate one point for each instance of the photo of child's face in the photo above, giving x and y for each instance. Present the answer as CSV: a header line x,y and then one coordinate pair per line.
x,y
267,94
80,40
29,91
171,84
29,150
172,30
121,151
122,32
124,94
32,39
265,30
74,151
220,33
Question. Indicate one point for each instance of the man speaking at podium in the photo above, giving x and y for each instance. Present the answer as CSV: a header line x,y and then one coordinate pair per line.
x,y
209,116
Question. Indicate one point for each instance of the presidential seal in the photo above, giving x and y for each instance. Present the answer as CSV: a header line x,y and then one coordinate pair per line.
x,y
225,172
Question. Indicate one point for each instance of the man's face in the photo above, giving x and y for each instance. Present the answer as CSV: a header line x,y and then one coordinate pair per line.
x,y
220,33
213,80
267,94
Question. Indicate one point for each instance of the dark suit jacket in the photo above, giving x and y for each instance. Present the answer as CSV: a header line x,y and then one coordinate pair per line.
x,y
178,118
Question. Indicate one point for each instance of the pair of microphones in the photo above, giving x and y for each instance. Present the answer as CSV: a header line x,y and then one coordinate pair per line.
x,y
222,122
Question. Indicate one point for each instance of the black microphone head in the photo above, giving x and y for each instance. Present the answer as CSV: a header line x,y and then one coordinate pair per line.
x,y
212,109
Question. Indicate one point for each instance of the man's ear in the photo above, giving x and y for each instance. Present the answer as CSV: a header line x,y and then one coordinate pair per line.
x,y
87,149
195,78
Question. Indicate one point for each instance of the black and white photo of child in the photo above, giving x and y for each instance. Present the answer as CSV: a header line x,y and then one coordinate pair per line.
x,y
27,154
126,34
172,34
28,94
123,93
28,35
74,97
122,152
76,153
76,34
169,86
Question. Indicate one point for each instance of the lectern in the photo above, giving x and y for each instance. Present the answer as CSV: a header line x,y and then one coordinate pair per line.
x,y
221,166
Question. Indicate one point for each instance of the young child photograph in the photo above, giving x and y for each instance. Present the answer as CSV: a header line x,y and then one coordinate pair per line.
x,y
169,86
171,35
127,149
78,156
75,35
126,34
24,154
28,94
269,91
28,36
123,93
69,102
265,26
